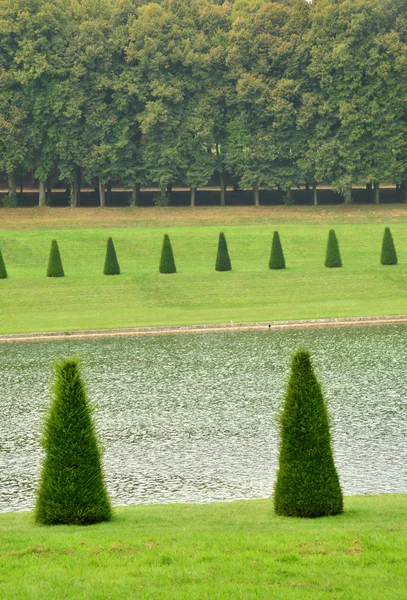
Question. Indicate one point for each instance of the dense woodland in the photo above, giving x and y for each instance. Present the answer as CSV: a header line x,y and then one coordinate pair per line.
x,y
274,94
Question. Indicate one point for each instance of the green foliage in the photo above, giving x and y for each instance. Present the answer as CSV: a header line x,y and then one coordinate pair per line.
x,y
277,256
222,259
307,482
161,200
333,257
55,268
71,489
9,201
388,255
3,271
111,263
167,263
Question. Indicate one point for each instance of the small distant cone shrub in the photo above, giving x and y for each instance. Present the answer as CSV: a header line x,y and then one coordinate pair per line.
x,y
55,268
277,256
307,482
388,255
222,259
3,271
167,263
333,257
72,488
111,263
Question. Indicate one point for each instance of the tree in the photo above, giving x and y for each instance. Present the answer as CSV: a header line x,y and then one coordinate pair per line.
x,y
388,255
3,271
307,482
111,263
277,256
333,257
55,268
222,259
167,262
268,65
352,109
72,488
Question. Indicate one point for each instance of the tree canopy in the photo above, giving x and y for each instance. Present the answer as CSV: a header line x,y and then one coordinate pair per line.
x,y
273,94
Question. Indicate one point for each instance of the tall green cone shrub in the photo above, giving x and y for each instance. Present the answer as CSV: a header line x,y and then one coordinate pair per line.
x,y
167,262
3,271
111,263
333,257
307,482
71,488
277,256
55,268
222,259
388,255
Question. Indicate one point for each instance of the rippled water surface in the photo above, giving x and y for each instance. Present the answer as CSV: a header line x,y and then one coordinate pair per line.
x,y
191,418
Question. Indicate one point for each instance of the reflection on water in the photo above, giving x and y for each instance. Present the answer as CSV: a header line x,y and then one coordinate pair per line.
x,y
191,418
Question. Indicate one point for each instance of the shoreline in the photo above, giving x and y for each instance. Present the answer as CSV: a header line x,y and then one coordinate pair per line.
x,y
213,328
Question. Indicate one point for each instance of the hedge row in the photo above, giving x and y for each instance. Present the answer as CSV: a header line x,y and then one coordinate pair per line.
x,y
72,488
388,256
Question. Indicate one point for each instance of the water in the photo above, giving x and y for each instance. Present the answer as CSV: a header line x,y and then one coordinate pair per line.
x,y
192,418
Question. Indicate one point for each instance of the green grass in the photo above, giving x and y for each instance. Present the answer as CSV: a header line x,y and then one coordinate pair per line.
x,y
196,552
141,296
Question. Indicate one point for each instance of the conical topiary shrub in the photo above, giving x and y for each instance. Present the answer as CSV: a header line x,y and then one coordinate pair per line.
x,y
333,257
222,259
277,256
167,262
388,255
72,488
55,268
111,263
307,482
3,271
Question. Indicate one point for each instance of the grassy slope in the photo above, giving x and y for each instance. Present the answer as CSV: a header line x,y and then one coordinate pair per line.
x,y
237,550
197,294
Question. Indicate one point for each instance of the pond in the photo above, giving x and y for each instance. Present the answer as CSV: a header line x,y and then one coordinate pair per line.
x,y
192,418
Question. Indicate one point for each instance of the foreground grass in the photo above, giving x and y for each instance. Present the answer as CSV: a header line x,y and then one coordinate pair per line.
x,y
235,550
141,296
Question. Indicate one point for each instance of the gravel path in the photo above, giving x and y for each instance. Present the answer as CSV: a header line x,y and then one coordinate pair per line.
x,y
94,333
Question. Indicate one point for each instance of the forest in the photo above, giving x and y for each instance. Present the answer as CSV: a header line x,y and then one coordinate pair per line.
x,y
274,94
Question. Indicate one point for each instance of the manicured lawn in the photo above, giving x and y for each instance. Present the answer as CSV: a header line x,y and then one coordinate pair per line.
x,y
230,550
141,296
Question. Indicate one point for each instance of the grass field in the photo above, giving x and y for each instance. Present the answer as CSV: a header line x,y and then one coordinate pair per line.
x,y
86,299
196,552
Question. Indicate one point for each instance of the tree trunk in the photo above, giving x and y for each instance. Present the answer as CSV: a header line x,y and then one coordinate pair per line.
x,y
12,185
169,192
102,193
376,192
398,190
256,195
74,193
369,192
193,191
21,184
42,196
222,189
135,195
348,195
288,199
108,201
315,191
404,188
75,189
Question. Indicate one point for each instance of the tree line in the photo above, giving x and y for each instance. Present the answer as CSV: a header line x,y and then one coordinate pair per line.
x,y
275,94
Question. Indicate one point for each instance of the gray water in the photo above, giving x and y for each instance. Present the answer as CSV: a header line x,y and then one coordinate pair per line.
x,y
192,418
